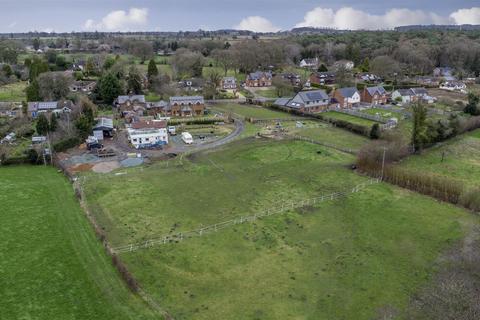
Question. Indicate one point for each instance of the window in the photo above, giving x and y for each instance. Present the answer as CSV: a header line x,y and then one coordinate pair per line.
x,y
135,140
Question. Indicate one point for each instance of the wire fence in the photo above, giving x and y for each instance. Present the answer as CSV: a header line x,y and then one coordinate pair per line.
x,y
199,232
322,143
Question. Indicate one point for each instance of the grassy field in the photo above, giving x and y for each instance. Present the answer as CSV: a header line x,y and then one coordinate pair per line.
x,y
342,259
267,93
251,111
326,133
51,264
349,118
461,159
14,92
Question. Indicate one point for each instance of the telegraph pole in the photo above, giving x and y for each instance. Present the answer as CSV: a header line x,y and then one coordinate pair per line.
x,y
383,161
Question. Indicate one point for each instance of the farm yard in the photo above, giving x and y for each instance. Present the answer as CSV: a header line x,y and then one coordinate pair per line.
x,y
52,265
345,259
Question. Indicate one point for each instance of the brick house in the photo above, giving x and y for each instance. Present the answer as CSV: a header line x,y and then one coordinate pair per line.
x,y
347,98
322,78
259,79
186,106
374,95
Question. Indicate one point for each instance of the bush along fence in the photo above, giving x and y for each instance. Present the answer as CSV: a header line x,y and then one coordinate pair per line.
x,y
442,188
203,120
282,208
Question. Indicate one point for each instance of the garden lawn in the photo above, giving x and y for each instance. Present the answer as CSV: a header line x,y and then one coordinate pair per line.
x,y
51,264
383,113
267,93
349,118
13,92
342,259
251,111
461,159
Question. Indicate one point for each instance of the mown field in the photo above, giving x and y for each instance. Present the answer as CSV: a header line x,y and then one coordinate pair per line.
x,y
458,158
14,92
51,264
326,133
342,259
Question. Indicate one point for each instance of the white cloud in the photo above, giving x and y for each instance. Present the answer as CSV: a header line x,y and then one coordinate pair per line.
x,y
466,16
12,24
257,24
349,18
120,20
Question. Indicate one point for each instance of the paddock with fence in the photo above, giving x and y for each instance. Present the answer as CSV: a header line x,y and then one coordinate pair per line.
x,y
282,208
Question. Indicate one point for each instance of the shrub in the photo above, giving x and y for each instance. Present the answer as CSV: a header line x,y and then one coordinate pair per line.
x,y
65,144
471,199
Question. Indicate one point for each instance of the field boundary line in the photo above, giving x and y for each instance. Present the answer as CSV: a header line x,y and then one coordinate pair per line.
x,y
284,207
321,143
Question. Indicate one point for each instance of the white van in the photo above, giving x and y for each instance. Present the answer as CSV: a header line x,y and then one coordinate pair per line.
x,y
171,130
187,138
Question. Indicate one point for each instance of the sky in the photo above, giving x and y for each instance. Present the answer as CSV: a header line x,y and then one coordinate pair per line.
x,y
254,15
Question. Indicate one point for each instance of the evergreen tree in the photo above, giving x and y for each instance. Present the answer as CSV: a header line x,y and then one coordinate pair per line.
x,y
53,122
42,125
33,91
375,132
419,133
7,70
322,68
365,66
152,70
472,105
134,82
37,67
36,43
109,88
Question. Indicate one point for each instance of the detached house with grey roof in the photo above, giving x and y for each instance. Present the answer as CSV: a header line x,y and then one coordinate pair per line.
x,y
229,83
347,98
259,79
57,107
186,106
374,95
306,101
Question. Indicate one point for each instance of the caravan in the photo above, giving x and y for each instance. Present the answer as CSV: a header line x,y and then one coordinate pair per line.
x,y
187,138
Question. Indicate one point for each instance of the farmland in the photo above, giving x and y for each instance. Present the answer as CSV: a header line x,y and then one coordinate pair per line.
x,y
457,159
51,265
339,259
